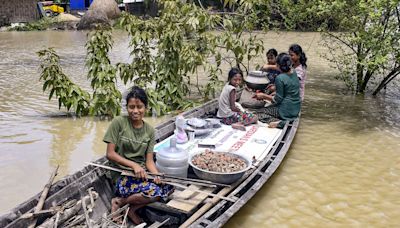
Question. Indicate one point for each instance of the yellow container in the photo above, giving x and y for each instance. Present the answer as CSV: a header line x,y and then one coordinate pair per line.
x,y
54,8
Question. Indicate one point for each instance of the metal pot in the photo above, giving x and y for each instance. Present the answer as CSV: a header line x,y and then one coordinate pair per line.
x,y
257,80
223,178
256,86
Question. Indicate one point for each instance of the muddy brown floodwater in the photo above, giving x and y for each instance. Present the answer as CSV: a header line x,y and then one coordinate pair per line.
x,y
342,170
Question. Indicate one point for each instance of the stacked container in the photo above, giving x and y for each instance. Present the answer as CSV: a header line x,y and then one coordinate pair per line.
x,y
172,160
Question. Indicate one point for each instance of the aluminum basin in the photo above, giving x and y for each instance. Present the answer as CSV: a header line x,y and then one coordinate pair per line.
x,y
223,178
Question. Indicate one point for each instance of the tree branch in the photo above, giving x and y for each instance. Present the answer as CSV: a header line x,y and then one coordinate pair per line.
x,y
342,41
387,80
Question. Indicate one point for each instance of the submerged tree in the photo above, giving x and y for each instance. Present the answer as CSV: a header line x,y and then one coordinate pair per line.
x,y
362,36
366,50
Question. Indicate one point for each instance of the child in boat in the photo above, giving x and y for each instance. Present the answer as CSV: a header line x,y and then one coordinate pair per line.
x,y
299,60
271,68
227,110
286,103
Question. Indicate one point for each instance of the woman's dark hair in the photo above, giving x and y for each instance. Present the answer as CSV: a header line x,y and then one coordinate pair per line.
x,y
233,72
138,93
272,51
284,62
299,51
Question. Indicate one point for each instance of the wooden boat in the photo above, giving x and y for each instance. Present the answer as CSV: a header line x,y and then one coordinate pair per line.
x,y
204,211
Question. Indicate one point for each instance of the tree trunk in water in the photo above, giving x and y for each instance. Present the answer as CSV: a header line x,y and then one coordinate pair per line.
x,y
360,68
386,81
368,75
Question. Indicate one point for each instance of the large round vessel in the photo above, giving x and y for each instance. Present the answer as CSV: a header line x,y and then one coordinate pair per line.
x,y
257,80
172,160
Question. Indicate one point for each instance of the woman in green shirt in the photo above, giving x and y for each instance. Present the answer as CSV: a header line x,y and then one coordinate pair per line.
x,y
130,143
286,101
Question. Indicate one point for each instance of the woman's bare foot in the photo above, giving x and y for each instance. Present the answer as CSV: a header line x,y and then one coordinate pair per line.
x,y
134,217
273,124
239,126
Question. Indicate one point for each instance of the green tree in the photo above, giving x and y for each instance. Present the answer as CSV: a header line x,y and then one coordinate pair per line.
x,y
362,36
105,99
167,51
69,95
366,49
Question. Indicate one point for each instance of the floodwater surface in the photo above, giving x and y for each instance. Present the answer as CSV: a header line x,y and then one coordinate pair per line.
x,y
343,168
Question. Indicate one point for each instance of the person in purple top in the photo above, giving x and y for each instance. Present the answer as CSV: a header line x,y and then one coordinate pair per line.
x,y
299,60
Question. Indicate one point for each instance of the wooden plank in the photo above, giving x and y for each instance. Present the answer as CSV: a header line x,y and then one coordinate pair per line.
x,y
188,199
210,204
158,224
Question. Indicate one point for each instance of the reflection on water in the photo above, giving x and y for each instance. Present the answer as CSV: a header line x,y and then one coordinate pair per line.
x,y
342,169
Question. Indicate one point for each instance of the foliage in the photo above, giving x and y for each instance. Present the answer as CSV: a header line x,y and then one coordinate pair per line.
x,y
169,49
105,100
301,15
69,95
367,51
106,96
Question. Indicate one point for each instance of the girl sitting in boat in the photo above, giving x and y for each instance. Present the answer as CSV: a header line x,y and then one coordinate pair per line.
x,y
130,142
272,70
299,60
271,67
286,102
227,110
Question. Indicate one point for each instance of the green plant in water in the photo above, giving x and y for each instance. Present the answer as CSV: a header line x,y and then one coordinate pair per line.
x,y
69,95
106,98
366,51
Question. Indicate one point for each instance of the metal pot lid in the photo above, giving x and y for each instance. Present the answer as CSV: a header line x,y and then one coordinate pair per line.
x,y
257,77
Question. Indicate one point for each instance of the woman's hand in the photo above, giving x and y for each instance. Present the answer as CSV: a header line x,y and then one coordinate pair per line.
x,y
259,96
157,180
139,171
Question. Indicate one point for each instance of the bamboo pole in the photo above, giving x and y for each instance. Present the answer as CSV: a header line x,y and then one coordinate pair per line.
x,y
43,196
205,183
129,173
190,179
